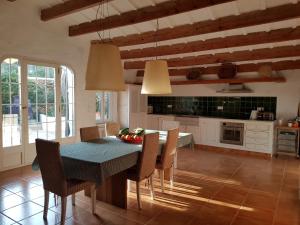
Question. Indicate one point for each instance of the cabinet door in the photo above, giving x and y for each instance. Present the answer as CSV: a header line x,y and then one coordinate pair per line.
x,y
152,123
195,130
182,129
209,132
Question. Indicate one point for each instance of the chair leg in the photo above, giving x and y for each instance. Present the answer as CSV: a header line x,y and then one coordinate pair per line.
x,y
151,187
162,178
46,204
63,210
172,176
175,159
128,186
138,195
55,200
73,199
93,198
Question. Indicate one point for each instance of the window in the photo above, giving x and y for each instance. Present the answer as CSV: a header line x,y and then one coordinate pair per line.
x,y
67,102
103,106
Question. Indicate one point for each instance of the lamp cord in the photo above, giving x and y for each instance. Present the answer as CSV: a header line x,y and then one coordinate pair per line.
x,y
101,9
156,37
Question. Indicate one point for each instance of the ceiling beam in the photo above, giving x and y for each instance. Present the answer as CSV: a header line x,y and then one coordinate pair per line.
x,y
148,13
238,56
237,80
231,81
270,15
242,68
68,7
285,34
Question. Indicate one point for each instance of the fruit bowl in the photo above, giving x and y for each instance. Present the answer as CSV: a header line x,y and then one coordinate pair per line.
x,y
135,137
133,141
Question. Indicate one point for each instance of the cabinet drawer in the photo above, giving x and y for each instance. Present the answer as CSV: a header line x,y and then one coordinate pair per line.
x,y
256,134
286,148
263,141
258,127
287,142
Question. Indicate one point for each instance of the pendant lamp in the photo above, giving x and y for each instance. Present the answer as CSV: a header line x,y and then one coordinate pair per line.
x,y
104,68
156,77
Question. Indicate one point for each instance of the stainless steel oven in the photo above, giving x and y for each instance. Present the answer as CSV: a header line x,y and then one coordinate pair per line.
x,y
232,133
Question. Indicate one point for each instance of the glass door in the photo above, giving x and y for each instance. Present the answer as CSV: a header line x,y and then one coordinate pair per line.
x,y
42,119
11,111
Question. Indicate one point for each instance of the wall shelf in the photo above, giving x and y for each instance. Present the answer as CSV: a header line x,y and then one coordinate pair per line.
x,y
229,81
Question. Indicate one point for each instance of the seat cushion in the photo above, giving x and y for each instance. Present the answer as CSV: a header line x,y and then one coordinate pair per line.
x,y
132,173
75,185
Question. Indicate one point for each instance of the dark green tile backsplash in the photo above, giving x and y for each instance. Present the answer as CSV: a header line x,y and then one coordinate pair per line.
x,y
233,107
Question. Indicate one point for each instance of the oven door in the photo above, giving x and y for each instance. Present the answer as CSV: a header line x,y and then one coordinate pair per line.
x,y
232,134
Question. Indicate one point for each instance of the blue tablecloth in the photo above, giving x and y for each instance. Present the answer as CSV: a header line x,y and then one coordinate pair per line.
x,y
96,160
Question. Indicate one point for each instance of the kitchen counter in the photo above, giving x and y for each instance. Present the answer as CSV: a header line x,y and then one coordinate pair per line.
x,y
214,118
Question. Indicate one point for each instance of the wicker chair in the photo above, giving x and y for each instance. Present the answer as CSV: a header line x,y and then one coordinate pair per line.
x,y
166,159
54,179
112,128
89,133
146,164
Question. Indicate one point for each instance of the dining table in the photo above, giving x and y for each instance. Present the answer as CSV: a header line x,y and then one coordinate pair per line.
x,y
104,162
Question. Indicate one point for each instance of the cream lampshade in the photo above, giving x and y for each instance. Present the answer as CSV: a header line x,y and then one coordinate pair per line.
x,y
104,68
156,78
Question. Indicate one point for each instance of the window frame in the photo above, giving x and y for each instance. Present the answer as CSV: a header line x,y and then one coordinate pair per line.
x,y
24,62
103,107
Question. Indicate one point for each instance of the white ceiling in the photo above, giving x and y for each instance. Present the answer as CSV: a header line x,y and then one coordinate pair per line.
x,y
232,8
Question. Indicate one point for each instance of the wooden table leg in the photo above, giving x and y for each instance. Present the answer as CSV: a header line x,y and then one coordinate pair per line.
x,y
113,190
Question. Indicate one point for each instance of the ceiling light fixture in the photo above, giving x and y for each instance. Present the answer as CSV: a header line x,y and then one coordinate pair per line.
x,y
156,78
104,68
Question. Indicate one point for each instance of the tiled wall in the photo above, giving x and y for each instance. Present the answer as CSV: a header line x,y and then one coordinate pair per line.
x,y
225,107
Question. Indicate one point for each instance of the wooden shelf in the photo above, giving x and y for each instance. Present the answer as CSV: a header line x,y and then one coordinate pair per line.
x,y
229,81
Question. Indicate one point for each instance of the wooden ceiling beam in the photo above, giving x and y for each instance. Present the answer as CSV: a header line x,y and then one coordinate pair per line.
x,y
285,34
238,56
242,68
271,15
160,10
237,80
67,8
232,81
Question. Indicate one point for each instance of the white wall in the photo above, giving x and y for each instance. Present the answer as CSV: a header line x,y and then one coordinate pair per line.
x,y
23,34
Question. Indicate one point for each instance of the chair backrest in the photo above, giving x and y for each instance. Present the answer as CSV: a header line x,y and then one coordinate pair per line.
x,y
51,166
169,125
112,128
89,133
169,150
147,158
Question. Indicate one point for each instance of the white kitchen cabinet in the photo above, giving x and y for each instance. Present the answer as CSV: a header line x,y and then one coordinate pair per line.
x,y
259,137
209,132
195,130
161,118
152,122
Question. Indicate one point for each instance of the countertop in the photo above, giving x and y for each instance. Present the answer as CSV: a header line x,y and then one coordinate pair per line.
x,y
215,118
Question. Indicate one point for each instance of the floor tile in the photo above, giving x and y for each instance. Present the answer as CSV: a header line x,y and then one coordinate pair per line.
x,y
5,220
37,219
10,201
32,193
23,211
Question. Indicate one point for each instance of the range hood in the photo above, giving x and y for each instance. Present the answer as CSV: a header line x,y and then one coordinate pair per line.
x,y
235,88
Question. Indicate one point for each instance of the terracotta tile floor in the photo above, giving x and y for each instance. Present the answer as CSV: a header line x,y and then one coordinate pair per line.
x,y
209,189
